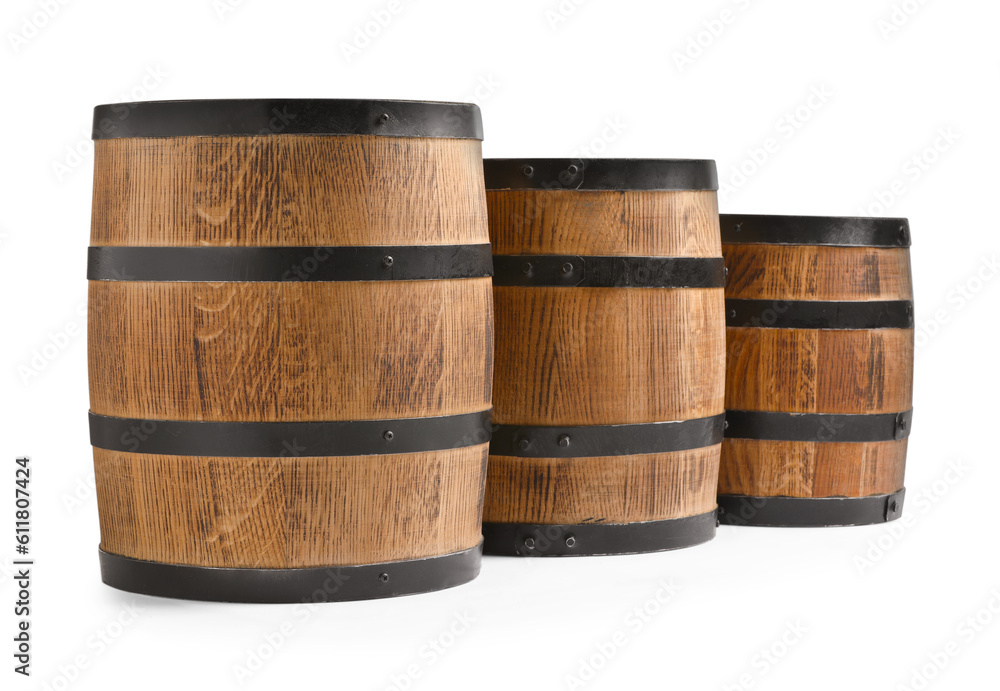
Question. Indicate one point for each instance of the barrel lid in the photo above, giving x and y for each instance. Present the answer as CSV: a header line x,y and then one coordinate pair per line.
x,y
844,231
600,174
258,117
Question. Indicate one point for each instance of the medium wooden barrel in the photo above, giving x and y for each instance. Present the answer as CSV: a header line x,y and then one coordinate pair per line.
x,y
608,387
290,347
819,380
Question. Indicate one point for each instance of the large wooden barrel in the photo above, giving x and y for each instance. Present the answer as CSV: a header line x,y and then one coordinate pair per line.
x,y
290,346
608,387
819,382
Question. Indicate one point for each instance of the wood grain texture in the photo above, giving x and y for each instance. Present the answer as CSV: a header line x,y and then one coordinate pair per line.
x,y
290,351
612,489
289,512
600,356
288,190
304,351
811,469
604,356
797,272
832,371
819,370
604,223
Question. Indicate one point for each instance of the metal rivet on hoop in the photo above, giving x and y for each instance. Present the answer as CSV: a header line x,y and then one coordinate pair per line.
x,y
527,170
567,268
900,429
563,440
388,435
387,261
383,578
570,541
529,542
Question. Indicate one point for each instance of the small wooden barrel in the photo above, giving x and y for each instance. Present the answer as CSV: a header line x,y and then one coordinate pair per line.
x,y
290,342
608,389
819,379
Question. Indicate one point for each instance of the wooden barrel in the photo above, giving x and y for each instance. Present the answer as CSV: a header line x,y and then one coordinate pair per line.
x,y
290,347
608,387
819,379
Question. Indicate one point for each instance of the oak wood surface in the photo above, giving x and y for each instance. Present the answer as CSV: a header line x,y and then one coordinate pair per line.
x,y
290,351
811,469
601,489
289,512
799,272
603,356
288,190
819,370
604,223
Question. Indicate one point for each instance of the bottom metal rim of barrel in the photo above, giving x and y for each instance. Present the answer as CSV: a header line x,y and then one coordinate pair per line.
x,y
597,539
312,585
809,512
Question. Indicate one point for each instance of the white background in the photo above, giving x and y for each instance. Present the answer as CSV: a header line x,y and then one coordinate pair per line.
x,y
549,82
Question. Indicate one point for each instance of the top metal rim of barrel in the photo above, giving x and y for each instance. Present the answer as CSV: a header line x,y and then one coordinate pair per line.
x,y
841,231
262,117
617,174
